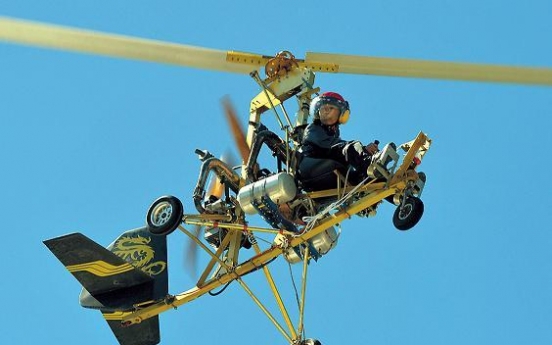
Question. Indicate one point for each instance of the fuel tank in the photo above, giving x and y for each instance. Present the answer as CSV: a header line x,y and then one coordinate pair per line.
x,y
280,188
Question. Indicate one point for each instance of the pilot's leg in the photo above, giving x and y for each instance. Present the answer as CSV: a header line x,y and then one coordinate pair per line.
x,y
318,173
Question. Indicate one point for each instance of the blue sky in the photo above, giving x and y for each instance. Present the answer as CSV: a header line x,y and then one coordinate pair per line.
x,y
88,142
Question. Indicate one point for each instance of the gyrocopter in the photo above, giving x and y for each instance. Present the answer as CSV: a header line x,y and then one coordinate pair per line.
x,y
128,281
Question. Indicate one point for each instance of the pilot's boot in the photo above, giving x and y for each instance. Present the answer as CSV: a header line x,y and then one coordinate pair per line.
x,y
420,183
384,162
422,176
358,158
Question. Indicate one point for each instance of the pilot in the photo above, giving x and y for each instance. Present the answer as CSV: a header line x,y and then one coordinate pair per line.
x,y
323,151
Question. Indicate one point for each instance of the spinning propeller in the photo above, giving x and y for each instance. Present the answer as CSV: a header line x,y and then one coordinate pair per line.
x,y
85,41
216,188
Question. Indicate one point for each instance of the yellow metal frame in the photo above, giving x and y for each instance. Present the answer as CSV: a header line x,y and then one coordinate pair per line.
x,y
232,270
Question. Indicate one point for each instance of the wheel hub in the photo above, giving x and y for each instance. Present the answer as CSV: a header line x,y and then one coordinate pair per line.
x,y
405,211
161,214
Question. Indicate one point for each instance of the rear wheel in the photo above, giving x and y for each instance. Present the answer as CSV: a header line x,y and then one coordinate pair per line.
x,y
408,213
164,215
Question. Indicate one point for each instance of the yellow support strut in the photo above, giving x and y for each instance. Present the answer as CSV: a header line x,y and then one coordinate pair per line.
x,y
277,296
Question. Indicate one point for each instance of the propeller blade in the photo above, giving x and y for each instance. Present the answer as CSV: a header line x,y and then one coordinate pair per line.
x,y
190,259
216,188
85,41
432,69
235,127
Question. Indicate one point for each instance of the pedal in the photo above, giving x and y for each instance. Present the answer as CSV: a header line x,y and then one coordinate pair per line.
x,y
420,183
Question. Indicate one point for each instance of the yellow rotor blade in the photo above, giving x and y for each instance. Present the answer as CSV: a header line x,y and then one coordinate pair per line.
x,y
85,41
433,69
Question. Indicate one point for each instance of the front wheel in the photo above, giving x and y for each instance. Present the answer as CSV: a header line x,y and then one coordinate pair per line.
x,y
164,215
408,214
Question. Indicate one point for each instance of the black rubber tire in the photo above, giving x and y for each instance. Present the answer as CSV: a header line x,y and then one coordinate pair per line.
x,y
409,215
164,215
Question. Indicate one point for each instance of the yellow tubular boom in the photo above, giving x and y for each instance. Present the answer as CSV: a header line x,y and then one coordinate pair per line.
x,y
257,261
238,227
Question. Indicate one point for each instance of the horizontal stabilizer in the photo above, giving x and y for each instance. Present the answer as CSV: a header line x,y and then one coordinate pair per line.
x,y
132,270
96,268
129,272
143,333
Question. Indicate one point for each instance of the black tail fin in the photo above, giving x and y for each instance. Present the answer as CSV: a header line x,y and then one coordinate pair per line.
x,y
132,270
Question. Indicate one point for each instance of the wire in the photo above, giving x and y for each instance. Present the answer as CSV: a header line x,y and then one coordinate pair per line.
x,y
335,205
294,286
221,290
347,178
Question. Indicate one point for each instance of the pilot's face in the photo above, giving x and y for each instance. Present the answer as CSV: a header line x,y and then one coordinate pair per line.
x,y
329,114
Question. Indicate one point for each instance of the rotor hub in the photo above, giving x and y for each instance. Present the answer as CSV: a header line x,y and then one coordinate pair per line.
x,y
281,64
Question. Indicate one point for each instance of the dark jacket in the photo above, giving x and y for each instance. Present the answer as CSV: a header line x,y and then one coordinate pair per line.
x,y
321,154
323,151
320,141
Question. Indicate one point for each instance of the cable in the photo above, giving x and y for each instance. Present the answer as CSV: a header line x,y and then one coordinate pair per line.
x,y
221,290
312,220
294,286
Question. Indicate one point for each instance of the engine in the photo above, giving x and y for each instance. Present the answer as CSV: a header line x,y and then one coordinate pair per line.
x,y
276,200
319,245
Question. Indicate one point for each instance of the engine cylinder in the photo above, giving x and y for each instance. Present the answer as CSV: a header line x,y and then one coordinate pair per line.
x,y
280,188
323,243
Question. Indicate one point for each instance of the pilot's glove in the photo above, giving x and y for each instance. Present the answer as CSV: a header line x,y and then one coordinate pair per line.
x,y
372,148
